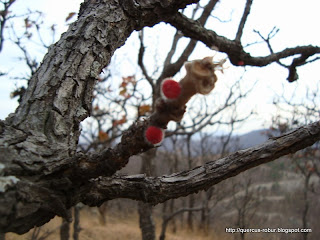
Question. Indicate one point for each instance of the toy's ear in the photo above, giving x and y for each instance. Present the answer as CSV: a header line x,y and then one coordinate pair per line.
x,y
187,66
203,68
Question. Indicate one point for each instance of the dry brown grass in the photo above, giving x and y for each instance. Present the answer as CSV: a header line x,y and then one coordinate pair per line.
x,y
117,228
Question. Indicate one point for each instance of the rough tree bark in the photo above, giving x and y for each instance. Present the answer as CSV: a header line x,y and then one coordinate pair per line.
x,y
40,138
146,222
42,176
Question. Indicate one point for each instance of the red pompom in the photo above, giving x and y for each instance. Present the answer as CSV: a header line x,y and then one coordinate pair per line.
x,y
170,89
241,63
154,135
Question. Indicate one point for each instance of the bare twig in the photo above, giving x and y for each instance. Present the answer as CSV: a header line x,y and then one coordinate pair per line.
x,y
167,219
267,39
172,51
140,61
4,16
243,20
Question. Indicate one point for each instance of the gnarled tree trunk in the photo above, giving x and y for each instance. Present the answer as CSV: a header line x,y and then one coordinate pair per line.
x,y
38,142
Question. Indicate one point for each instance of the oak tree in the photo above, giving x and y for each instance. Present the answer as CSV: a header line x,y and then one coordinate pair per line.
x,y
42,174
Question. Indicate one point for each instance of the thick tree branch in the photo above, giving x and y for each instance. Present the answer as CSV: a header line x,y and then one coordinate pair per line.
x,y
81,167
159,189
38,142
60,92
148,12
53,183
232,48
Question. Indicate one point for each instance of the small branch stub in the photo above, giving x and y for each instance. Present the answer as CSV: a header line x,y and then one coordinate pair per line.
x,y
201,75
200,78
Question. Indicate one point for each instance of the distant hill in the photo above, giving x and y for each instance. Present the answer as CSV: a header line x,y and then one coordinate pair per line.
x,y
252,138
215,143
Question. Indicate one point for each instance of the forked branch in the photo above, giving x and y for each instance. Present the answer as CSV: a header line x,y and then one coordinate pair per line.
x,y
235,51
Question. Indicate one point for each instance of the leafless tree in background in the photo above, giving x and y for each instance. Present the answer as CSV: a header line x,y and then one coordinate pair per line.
x,y
305,162
5,16
246,203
